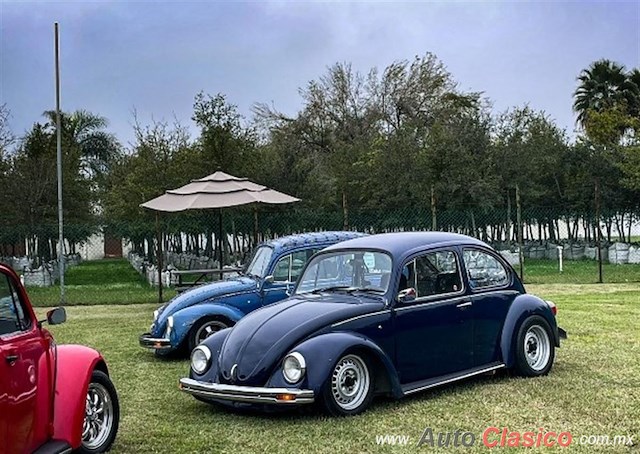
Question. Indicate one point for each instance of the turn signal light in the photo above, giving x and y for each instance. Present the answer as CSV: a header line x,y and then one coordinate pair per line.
x,y
554,308
285,397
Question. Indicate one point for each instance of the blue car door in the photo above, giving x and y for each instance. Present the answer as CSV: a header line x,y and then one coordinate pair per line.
x,y
492,295
434,332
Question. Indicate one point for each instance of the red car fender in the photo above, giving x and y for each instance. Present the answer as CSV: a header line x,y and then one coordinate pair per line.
x,y
75,364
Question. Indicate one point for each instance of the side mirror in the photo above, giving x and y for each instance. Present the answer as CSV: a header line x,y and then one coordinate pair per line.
x,y
269,279
57,316
407,295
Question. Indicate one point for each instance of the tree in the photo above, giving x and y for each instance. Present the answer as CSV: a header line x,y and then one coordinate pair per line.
x,y
527,153
225,143
605,85
33,186
6,136
86,132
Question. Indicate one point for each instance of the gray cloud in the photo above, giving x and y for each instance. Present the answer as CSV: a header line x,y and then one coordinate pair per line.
x,y
155,56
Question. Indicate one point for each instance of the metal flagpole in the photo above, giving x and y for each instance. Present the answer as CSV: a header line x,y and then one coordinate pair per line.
x,y
59,159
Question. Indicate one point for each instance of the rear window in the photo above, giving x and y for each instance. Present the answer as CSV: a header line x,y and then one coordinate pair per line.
x,y
484,270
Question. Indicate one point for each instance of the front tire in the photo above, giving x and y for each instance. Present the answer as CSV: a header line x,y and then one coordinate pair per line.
x,y
535,348
204,328
102,415
349,389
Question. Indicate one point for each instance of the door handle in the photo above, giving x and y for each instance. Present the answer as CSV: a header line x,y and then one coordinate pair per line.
x,y
11,358
464,305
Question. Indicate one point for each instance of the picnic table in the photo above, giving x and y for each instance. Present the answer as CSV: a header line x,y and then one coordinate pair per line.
x,y
201,276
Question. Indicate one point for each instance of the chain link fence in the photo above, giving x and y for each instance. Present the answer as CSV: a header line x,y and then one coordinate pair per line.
x,y
544,245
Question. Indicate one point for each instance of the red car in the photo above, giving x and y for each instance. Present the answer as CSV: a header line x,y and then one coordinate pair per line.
x,y
53,398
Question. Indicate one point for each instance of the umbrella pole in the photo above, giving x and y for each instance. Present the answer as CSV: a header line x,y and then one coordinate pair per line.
x,y
159,257
255,226
220,245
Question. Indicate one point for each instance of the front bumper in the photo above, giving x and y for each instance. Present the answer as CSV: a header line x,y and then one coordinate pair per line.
x,y
246,394
155,343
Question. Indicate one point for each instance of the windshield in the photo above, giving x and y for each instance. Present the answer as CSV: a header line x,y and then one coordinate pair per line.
x,y
259,262
349,270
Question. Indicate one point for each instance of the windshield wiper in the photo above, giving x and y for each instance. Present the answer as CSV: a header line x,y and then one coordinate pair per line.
x,y
366,289
334,287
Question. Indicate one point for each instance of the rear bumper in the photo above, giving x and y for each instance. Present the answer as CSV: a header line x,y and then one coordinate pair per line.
x,y
246,394
155,343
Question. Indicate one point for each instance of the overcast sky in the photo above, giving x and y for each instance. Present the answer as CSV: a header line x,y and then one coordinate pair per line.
x,y
155,56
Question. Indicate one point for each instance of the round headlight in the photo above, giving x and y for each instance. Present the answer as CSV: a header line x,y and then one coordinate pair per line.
x,y
200,359
294,367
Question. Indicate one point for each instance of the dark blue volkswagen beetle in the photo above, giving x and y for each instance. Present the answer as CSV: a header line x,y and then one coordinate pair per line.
x,y
385,314
190,317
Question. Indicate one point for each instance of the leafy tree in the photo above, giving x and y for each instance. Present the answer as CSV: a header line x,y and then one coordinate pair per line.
x,y
225,143
6,136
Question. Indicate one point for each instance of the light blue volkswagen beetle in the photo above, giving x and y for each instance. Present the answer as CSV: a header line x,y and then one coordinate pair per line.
x,y
194,315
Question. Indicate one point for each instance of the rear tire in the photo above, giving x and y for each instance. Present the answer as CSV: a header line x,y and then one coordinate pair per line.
x,y
349,388
535,348
204,328
102,415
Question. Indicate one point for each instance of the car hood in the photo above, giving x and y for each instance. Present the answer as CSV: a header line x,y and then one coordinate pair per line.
x,y
257,343
201,293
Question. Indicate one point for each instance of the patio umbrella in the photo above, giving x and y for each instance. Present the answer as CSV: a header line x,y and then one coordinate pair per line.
x,y
216,191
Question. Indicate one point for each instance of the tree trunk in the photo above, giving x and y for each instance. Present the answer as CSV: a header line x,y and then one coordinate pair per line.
x,y
434,223
508,224
473,224
552,231
345,211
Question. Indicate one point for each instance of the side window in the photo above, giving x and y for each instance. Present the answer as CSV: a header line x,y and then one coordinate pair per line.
x,y
12,313
281,270
290,266
298,260
433,273
484,269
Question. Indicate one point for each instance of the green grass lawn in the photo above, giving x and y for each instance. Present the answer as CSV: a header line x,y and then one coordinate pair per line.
x,y
593,389
538,271
114,281
108,281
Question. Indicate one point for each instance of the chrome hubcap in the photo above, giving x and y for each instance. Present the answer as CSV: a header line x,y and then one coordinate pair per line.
x,y
98,416
350,382
537,347
208,329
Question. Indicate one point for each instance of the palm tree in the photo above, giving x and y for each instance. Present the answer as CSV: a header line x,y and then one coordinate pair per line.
x,y
604,85
86,131
634,105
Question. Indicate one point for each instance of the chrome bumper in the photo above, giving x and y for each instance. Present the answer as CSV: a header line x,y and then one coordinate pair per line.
x,y
155,343
247,394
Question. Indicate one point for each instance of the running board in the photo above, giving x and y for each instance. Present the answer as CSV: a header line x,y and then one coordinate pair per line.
x,y
414,387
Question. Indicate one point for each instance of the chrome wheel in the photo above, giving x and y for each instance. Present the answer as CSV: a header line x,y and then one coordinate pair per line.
x,y
207,329
350,382
537,347
98,417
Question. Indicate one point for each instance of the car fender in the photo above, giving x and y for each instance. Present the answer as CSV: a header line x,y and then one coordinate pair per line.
x,y
322,352
214,343
75,364
523,307
184,319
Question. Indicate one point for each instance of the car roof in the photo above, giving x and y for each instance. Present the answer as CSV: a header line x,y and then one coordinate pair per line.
x,y
399,243
310,239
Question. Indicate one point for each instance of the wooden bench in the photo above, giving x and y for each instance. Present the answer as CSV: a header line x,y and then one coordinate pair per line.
x,y
201,276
